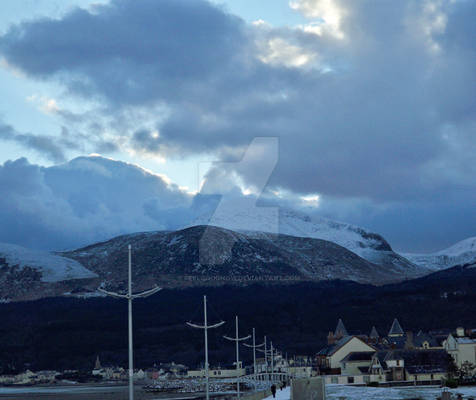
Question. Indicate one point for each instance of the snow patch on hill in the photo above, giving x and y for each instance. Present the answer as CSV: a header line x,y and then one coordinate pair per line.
x,y
53,268
461,253
245,216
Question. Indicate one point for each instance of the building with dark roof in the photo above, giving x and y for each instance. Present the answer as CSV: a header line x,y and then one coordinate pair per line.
x,y
329,357
416,365
426,341
397,357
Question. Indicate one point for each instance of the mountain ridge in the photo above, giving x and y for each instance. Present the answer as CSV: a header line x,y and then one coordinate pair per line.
x,y
462,252
243,215
208,255
202,251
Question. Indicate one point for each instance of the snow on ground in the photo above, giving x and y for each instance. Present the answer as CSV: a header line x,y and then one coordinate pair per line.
x,y
463,252
467,245
284,394
341,392
359,393
53,268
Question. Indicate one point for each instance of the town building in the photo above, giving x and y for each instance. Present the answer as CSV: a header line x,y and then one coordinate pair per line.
x,y
461,347
399,357
331,356
218,372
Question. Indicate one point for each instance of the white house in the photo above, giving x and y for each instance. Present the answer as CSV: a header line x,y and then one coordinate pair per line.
x,y
461,348
331,356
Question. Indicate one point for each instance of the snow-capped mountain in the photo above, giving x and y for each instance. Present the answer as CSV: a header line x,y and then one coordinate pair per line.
x,y
461,253
201,255
50,267
243,215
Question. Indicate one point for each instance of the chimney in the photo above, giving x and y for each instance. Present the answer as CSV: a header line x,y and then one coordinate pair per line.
x,y
409,342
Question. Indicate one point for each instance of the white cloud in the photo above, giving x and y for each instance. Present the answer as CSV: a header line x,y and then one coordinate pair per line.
x,y
328,13
277,51
44,104
311,200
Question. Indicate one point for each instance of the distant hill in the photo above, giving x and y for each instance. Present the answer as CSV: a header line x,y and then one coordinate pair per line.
x,y
195,256
213,255
463,252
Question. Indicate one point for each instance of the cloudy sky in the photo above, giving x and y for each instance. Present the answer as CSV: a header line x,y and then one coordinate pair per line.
x,y
372,104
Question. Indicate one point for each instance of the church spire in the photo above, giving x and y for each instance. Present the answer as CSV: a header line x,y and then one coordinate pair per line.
x,y
396,329
97,364
340,329
374,334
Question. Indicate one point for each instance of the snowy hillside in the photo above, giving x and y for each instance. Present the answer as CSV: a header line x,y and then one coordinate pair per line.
x,y
461,253
370,246
202,254
53,268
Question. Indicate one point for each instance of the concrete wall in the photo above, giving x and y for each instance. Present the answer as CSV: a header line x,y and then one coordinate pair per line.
x,y
308,389
299,372
438,376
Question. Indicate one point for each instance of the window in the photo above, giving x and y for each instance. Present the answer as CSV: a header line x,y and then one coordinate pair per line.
x,y
334,379
398,363
350,379
366,378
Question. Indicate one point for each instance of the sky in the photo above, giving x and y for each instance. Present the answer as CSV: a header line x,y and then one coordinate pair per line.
x,y
369,107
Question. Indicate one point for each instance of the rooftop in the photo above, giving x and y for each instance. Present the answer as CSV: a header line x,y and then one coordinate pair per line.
x,y
421,360
359,356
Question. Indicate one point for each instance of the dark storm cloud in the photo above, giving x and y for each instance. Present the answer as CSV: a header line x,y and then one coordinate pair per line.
x,y
382,110
125,50
144,139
